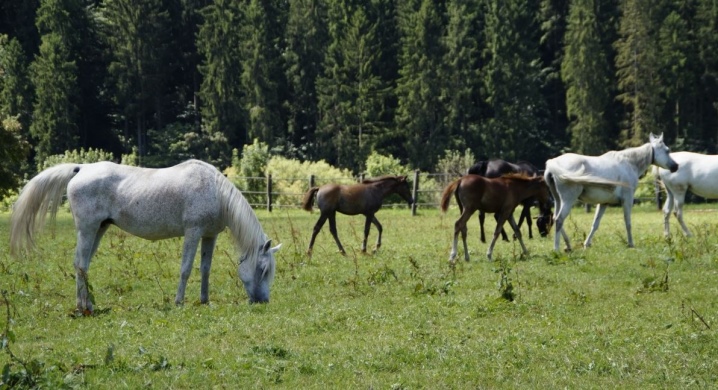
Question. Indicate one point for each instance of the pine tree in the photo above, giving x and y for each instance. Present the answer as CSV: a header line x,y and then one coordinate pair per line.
x,y
351,94
306,40
707,48
462,82
54,74
679,63
259,75
585,71
553,15
14,104
15,93
221,93
419,111
511,78
138,34
638,71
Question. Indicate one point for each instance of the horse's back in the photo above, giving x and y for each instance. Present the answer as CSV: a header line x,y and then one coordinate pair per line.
x,y
697,173
604,166
150,203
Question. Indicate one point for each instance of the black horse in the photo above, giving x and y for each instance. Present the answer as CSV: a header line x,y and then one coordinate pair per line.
x,y
496,168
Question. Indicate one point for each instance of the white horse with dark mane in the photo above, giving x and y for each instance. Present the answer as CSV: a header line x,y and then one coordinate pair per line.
x,y
191,200
698,174
610,178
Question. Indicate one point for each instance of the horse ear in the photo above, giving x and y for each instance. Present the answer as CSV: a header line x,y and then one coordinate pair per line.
x,y
275,249
653,137
267,245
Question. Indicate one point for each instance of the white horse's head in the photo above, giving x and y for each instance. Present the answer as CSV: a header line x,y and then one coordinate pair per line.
x,y
257,274
661,154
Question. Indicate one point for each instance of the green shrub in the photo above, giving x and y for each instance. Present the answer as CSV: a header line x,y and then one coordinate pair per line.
x,y
646,187
291,177
248,171
378,165
454,163
76,156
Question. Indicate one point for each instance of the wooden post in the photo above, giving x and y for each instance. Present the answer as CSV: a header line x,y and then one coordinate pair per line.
x,y
415,193
657,188
269,193
361,177
312,180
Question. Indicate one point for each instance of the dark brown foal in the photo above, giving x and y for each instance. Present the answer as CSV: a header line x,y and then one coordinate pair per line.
x,y
363,198
499,196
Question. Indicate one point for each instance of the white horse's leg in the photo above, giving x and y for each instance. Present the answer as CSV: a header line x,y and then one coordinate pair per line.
x,y
667,208
205,266
563,209
680,199
627,206
189,250
87,242
600,210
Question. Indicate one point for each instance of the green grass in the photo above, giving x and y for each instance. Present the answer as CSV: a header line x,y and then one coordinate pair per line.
x,y
606,317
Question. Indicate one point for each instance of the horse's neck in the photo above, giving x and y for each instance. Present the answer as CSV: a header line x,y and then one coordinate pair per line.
x,y
639,157
385,187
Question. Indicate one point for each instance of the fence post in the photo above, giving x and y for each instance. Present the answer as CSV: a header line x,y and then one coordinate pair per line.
x,y
657,188
415,193
311,181
269,193
361,177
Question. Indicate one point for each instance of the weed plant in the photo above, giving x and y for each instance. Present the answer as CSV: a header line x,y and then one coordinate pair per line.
x,y
402,318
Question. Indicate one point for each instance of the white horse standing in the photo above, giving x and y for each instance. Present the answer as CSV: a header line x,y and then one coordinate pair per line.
x,y
192,199
610,178
698,174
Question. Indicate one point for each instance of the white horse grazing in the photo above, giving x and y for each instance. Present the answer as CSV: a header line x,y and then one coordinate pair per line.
x,y
698,174
192,199
610,178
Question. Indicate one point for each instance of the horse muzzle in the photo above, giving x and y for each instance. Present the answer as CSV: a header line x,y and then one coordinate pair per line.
x,y
673,167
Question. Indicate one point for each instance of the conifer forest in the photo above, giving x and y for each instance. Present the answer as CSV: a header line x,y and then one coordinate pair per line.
x,y
337,80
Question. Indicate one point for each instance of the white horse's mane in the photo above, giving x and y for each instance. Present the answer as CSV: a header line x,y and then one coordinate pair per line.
x,y
639,156
240,218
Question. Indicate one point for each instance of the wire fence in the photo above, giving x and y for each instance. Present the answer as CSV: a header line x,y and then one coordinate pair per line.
x,y
277,192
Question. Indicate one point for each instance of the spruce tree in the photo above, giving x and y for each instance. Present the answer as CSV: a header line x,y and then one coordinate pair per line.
x,y
306,41
638,71
679,63
461,90
585,71
259,74
419,111
54,75
138,34
221,67
513,130
351,93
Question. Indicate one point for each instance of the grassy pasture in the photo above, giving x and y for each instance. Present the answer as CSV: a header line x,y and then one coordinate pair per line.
x,y
606,317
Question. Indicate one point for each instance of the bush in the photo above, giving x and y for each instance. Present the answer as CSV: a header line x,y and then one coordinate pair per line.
x,y
76,156
454,163
291,177
378,165
248,172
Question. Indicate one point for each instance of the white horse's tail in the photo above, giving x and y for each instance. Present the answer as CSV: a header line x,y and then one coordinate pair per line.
x,y
581,177
44,192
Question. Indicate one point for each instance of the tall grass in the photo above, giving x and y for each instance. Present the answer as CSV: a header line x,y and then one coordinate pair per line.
x,y
606,317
